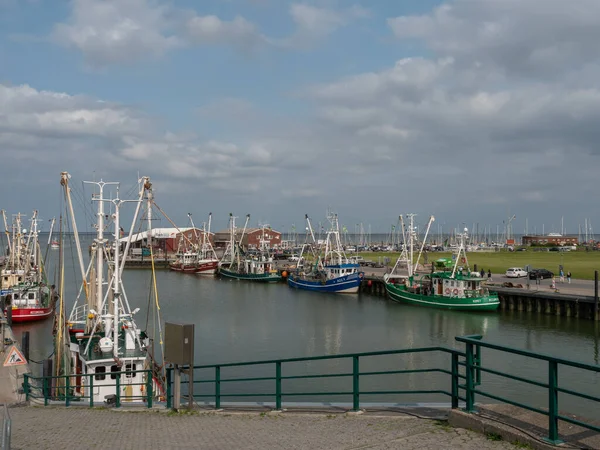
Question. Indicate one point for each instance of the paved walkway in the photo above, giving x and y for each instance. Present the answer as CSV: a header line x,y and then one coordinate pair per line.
x,y
77,428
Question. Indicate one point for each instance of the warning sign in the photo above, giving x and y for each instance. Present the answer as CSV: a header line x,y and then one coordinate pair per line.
x,y
14,358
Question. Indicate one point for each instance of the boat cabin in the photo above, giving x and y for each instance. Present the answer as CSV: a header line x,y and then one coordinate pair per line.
x,y
461,286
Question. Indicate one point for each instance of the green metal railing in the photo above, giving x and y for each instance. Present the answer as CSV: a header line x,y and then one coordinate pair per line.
x,y
67,388
474,367
356,375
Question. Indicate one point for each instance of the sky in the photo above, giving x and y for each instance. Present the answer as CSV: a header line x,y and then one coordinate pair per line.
x,y
471,111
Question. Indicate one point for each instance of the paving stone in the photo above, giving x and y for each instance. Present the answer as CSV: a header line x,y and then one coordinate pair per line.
x,y
77,428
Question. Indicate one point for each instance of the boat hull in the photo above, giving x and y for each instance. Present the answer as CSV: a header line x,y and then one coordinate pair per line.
x,y
347,284
30,314
399,294
207,268
262,277
191,268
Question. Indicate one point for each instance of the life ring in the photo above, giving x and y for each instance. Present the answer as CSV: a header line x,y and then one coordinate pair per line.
x,y
455,292
360,275
447,290
463,260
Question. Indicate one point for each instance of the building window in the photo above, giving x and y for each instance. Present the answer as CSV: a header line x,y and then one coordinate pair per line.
x,y
100,373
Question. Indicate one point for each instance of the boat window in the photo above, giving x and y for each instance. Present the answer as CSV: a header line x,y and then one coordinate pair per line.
x,y
31,296
16,295
114,369
100,373
129,370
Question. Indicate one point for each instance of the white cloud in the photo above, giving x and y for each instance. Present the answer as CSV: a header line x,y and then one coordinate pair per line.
x,y
118,31
125,31
212,30
313,23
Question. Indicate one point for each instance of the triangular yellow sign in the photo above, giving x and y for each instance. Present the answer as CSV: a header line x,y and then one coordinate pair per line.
x,y
14,358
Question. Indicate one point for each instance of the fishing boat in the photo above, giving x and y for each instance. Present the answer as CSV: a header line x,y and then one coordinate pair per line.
x,y
454,287
331,272
23,284
185,262
101,336
239,264
196,257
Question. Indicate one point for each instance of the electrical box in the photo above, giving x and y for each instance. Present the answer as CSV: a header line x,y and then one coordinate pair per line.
x,y
179,344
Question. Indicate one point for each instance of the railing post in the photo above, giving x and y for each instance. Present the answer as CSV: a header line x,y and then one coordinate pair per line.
x,y
91,389
469,394
278,385
26,386
454,380
46,390
169,395
355,384
553,403
118,390
217,387
67,389
477,364
149,388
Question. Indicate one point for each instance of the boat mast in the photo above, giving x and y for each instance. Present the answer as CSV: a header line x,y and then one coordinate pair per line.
x,y
194,228
51,229
10,252
64,181
117,276
411,232
461,249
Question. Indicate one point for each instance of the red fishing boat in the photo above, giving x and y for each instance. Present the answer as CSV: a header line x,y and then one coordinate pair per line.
x,y
22,282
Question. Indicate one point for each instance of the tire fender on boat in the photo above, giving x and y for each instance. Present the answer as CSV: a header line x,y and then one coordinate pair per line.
x,y
455,292
447,290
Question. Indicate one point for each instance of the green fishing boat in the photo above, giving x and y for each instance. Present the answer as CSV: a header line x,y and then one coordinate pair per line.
x,y
240,265
450,288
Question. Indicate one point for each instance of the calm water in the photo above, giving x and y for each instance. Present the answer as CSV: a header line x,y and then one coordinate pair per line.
x,y
242,321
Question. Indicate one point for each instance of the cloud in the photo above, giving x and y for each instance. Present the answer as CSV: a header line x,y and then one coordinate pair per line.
x,y
118,31
533,38
314,23
212,30
126,31
65,132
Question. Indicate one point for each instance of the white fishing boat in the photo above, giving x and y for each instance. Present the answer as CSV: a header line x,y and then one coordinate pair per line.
x,y
103,346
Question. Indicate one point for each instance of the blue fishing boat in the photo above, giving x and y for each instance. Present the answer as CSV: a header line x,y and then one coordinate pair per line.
x,y
330,272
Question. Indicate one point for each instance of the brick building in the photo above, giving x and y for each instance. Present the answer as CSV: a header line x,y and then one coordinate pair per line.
x,y
252,239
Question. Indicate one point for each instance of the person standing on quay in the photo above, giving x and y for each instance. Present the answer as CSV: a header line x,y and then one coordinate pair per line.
x,y
489,276
562,276
569,277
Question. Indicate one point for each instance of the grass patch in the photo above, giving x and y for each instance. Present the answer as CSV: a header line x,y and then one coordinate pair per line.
x,y
442,424
580,263
493,437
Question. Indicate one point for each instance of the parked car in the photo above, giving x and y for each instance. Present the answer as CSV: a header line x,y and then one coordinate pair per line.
x,y
516,272
540,273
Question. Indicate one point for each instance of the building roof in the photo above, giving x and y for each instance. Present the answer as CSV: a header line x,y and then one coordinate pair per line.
x,y
157,233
